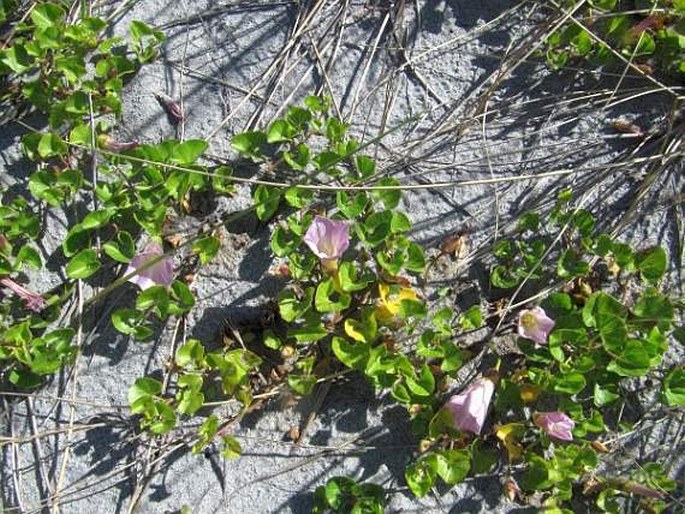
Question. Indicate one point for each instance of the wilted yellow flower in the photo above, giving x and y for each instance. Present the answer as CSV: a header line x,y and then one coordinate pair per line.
x,y
390,303
529,393
509,435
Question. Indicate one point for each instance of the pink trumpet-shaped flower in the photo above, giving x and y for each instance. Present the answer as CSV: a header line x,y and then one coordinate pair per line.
x,y
159,274
34,301
556,424
470,407
534,324
328,239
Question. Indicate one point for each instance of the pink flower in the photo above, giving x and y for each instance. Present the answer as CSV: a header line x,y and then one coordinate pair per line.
x,y
470,407
534,324
34,301
328,239
556,424
161,273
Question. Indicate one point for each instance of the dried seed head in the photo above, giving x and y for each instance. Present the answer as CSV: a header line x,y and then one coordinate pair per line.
x,y
600,447
627,127
170,105
511,489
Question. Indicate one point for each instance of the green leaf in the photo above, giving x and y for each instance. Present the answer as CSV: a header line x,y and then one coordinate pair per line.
x,y
674,388
131,322
335,129
317,103
73,69
582,43
633,361
376,227
47,15
206,433
249,143
266,201
364,330
42,186
453,357
504,250
350,280
190,401
569,328
442,321
51,145
645,45
529,221
570,265
537,474
652,263
421,475
584,222
560,302
96,219
602,245
352,355
472,318
326,162
221,181
164,419
30,256
155,298
399,223
192,353
292,307
271,340
610,321
145,40
188,151
366,166
298,198
569,383
76,240
121,250
16,58
389,197
23,378
605,394
482,459
182,298
207,248
298,117
351,205
391,260
298,158
416,259
653,309
327,299
83,264
232,448
143,387
501,277
453,465
422,384
301,384
280,131
284,241
310,331
624,256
